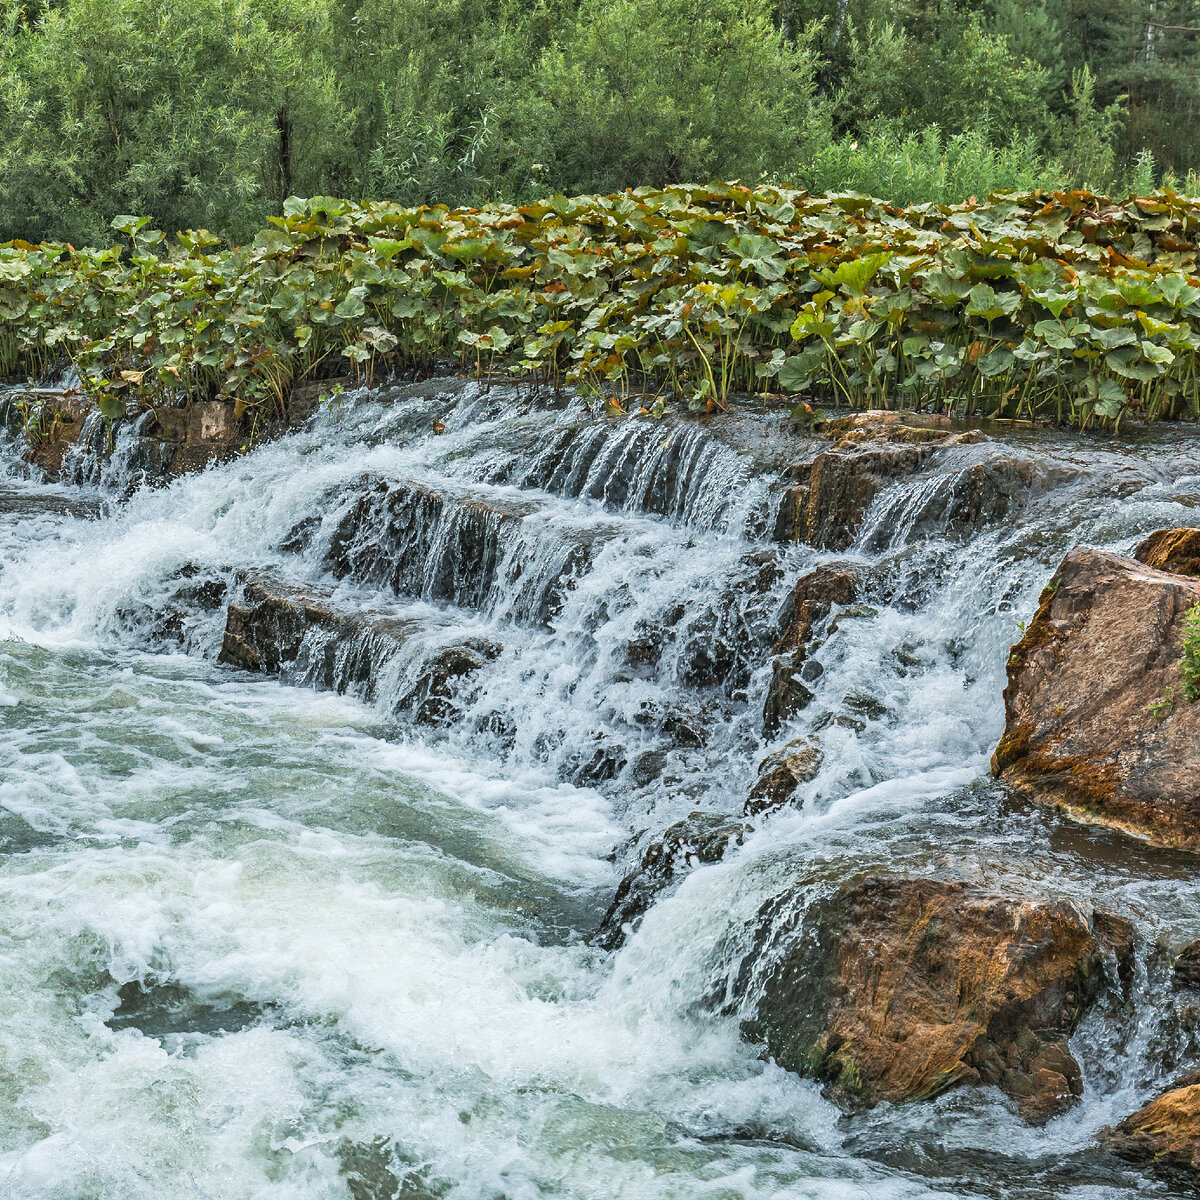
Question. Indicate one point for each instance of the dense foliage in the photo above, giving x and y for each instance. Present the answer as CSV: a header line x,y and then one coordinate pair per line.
x,y
1064,305
210,113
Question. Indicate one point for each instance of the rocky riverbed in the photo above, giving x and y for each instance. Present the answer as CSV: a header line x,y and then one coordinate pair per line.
x,y
463,795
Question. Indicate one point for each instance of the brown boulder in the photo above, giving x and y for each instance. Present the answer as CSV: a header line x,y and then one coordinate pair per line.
x,y
781,773
815,595
1174,550
1164,1134
897,989
1096,720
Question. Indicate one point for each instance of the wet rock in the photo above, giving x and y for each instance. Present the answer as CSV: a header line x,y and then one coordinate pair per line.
x,y
160,1010
790,517
897,989
50,421
1187,963
377,1171
988,491
781,773
279,628
815,595
433,543
1095,717
1163,1135
265,632
434,701
719,640
841,486
170,619
603,761
699,838
306,397
957,503
824,501
1173,550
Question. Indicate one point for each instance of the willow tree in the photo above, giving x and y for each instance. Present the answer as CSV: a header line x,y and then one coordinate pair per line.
x,y
198,113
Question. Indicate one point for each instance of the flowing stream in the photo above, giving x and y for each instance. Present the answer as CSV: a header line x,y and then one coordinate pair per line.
x,y
265,939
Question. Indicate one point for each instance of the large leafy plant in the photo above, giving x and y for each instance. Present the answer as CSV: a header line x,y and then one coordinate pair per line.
x,y
1067,305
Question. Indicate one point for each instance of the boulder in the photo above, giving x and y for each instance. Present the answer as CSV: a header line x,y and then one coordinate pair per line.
x,y
1173,550
1096,717
1163,1135
815,595
897,989
781,773
699,838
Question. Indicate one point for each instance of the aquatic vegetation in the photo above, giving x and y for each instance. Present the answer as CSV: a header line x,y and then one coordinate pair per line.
x,y
1189,665
1066,306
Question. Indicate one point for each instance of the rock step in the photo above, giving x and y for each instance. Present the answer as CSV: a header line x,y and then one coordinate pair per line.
x,y
670,468
454,544
301,634
826,499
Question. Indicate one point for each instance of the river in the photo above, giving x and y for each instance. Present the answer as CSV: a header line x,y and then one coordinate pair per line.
x,y
259,939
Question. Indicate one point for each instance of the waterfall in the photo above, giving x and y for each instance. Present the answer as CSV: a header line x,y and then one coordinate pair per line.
x,y
329,934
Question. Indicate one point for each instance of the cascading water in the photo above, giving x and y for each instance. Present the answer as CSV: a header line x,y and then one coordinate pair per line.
x,y
258,939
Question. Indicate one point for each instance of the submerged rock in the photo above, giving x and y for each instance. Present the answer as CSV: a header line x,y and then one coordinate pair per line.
x,y
699,838
1173,550
1096,721
815,595
897,989
781,773
1163,1135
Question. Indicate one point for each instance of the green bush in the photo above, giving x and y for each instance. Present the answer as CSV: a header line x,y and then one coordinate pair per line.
x,y
655,92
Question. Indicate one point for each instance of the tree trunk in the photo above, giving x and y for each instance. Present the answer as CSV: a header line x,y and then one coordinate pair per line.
x,y
835,36
283,125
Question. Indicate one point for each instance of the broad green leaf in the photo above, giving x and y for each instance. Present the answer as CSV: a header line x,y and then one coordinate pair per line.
x,y
996,362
